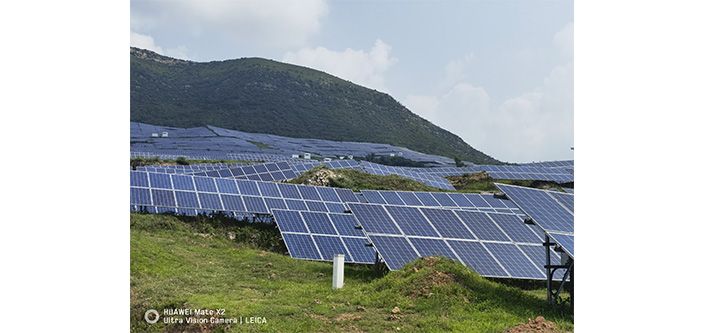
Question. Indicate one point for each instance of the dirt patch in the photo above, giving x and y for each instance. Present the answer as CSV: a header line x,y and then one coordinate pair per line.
x,y
538,325
319,317
432,279
348,316
321,177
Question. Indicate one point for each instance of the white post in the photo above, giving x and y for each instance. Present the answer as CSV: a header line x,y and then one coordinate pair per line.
x,y
338,271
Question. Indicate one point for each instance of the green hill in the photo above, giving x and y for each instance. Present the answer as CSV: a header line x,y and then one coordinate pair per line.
x,y
265,96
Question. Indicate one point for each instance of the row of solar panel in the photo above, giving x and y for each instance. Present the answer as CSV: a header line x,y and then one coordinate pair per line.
x,y
559,178
319,236
405,233
492,244
552,212
240,186
264,172
483,202
428,179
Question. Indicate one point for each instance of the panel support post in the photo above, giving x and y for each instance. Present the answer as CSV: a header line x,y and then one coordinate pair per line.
x,y
338,271
548,264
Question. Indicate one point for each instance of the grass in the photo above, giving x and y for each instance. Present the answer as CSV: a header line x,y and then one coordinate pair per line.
x,y
357,180
482,182
198,263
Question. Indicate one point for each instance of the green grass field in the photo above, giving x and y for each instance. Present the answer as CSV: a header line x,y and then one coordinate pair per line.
x,y
238,271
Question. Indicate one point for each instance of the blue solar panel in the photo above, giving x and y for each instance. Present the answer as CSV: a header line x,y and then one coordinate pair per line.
x,y
210,201
373,197
461,200
247,187
411,221
391,198
335,207
275,203
301,246
477,258
565,199
515,227
410,199
346,195
289,221
546,212
318,223
447,224
427,199
374,219
232,202
515,261
477,200
289,191
482,226
226,186
345,224
309,193
183,182
204,184
163,198
538,255
138,178
269,189
330,246
315,206
444,200
255,204
293,204
140,196
395,250
493,202
358,250
160,180
428,247
565,241
328,194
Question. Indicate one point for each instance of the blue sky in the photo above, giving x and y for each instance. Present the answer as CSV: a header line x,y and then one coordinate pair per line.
x,y
499,74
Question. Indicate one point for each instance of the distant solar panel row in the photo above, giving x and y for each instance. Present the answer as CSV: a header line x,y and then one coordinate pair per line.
x,y
224,194
528,173
492,244
264,172
468,201
320,236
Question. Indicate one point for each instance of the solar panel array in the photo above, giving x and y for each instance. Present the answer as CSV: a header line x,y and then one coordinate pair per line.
x,y
186,194
558,175
551,211
492,244
463,201
320,236
264,172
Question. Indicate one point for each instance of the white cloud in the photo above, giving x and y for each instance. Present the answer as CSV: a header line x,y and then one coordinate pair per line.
x,y
564,41
147,42
268,23
357,66
144,42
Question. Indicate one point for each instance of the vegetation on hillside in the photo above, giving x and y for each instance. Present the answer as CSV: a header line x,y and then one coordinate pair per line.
x,y
356,180
259,95
200,263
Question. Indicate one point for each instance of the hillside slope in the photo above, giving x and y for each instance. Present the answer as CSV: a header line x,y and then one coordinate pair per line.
x,y
259,95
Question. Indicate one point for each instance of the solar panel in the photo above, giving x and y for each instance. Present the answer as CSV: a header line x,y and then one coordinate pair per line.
x,y
567,200
160,180
204,184
248,187
516,229
330,246
269,189
163,198
391,198
482,226
565,241
411,221
210,201
231,202
224,185
477,258
346,195
538,255
359,252
374,219
289,191
373,197
319,223
301,246
394,249
428,247
515,261
410,199
447,224
546,212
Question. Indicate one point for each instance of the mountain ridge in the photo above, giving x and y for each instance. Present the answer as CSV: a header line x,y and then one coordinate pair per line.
x,y
266,96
